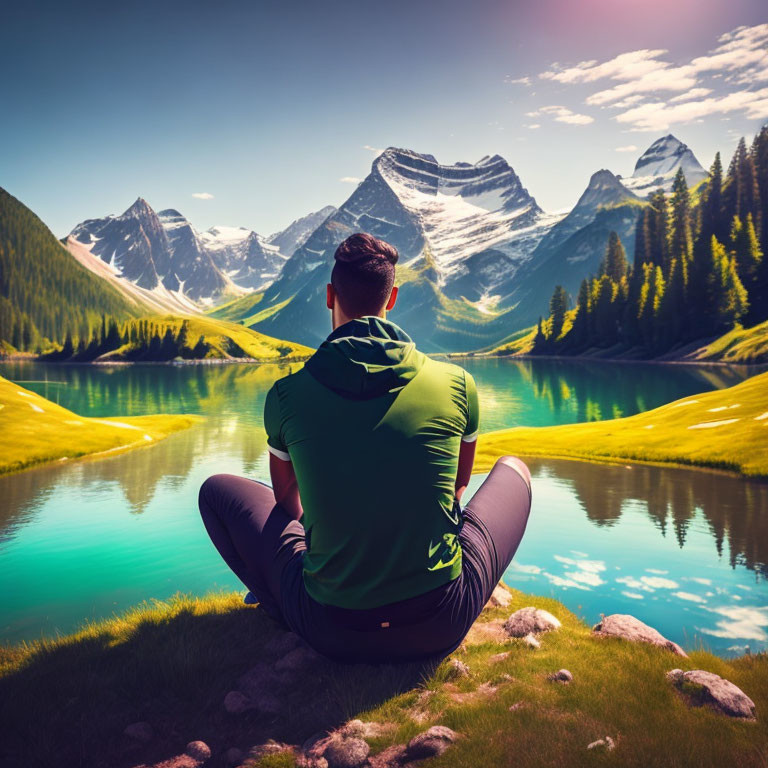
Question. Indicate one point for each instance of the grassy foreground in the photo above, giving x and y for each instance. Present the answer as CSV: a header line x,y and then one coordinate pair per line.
x,y
66,701
35,430
725,429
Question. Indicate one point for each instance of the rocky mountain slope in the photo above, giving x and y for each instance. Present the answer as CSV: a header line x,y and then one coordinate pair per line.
x,y
657,166
461,230
297,232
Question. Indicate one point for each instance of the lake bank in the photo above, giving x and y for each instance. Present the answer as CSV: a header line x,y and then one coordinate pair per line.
x,y
499,699
725,429
36,431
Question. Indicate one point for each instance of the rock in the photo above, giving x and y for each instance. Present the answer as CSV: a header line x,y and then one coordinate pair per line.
x,y
499,657
141,731
632,629
561,676
432,742
391,757
530,621
258,685
234,756
721,694
532,642
298,659
198,750
456,670
236,703
517,705
360,730
500,598
342,752
606,744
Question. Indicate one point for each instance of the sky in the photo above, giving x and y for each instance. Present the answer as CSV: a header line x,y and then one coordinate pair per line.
x,y
253,112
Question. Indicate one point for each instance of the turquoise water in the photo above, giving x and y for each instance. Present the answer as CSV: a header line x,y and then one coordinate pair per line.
x,y
686,551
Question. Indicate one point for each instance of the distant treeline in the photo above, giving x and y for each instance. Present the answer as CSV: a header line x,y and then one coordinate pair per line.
x,y
699,268
138,340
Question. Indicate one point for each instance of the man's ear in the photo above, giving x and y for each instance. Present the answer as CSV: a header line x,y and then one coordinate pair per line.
x,y
330,296
392,299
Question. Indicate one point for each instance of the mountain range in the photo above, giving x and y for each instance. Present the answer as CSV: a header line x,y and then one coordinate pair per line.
x,y
163,253
479,258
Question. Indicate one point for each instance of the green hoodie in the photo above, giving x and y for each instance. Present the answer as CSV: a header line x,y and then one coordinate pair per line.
x,y
373,428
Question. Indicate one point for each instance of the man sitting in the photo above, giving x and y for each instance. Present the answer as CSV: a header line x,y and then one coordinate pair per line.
x,y
361,546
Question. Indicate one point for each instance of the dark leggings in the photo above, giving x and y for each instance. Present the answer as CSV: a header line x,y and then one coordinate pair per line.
x,y
264,547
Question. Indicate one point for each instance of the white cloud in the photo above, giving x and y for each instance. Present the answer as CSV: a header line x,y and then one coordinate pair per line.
x,y
659,115
689,596
376,150
633,595
525,568
593,566
656,582
699,580
562,115
202,195
350,179
518,80
738,60
533,126
740,623
656,571
559,581
584,577
694,93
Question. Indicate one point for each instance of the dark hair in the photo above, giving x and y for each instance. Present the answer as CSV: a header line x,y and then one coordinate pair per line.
x,y
363,274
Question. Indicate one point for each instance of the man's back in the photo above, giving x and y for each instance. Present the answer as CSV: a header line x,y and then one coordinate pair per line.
x,y
373,429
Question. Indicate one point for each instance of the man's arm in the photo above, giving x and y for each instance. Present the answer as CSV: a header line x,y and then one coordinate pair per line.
x,y
466,461
285,486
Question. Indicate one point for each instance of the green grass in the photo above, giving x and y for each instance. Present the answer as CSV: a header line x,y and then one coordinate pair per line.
x,y
227,340
665,435
741,345
66,701
35,430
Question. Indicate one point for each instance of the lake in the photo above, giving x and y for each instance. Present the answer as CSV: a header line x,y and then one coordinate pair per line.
x,y
684,550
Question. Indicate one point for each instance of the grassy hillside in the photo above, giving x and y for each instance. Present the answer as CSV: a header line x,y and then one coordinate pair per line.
x,y
71,697
44,292
36,430
741,345
724,429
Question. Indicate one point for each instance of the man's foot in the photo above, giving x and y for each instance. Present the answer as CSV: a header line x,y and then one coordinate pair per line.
x,y
250,599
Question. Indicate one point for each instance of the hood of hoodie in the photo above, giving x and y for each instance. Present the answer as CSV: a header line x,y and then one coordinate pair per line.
x,y
364,358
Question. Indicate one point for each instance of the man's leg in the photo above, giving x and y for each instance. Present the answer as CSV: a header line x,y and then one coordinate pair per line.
x,y
494,523
254,536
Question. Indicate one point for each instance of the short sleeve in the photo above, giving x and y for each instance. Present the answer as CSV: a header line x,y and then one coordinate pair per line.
x,y
273,425
473,410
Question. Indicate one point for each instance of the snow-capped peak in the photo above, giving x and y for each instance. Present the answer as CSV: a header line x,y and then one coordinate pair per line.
x,y
657,166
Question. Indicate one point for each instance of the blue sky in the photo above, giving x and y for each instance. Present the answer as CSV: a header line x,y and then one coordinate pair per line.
x,y
272,109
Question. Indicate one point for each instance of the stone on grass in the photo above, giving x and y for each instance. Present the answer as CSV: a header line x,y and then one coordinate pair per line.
x,y
517,705
198,750
391,757
561,676
499,657
531,641
456,670
530,620
431,743
361,730
629,628
500,598
607,744
343,752
234,756
141,731
721,694
270,747
236,703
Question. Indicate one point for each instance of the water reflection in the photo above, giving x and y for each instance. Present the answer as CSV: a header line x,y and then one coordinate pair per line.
x,y
602,538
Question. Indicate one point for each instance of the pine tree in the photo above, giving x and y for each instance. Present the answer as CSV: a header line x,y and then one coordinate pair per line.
x,y
759,153
182,340
658,230
680,232
732,301
615,262
558,306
